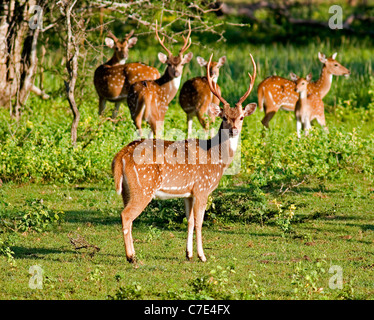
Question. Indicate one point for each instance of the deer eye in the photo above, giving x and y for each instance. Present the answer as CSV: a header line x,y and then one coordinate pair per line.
x,y
336,64
241,118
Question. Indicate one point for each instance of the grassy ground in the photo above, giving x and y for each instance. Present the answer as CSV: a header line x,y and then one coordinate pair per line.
x,y
333,226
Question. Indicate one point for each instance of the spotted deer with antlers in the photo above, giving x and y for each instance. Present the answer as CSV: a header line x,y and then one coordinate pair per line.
x,y
276,93
112,79
149,100
189,169
195,96
308,107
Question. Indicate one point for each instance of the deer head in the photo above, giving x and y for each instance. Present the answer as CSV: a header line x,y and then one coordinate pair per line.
x,y
175,63
301,83
232,118
333,66
121,48
214,67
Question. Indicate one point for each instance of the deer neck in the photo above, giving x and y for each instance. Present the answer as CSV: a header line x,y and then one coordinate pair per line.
x,y
114,61
323,84
222,147
171,85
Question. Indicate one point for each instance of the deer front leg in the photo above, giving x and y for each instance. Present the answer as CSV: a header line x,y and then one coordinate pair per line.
x,y
199,211
189,125
188,205
298,128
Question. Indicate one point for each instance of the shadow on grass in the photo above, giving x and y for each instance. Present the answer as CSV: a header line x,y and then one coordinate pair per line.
x,y
38,253
92,216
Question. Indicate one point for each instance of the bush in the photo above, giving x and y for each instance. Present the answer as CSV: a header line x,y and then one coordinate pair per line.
x,y
36,216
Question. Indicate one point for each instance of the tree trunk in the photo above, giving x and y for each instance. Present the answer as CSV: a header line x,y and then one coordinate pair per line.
x,y
72,54
18,54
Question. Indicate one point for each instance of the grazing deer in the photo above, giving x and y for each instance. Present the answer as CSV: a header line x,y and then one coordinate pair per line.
x,y
113,78
189,169
308,107
149,99
276,93
195,96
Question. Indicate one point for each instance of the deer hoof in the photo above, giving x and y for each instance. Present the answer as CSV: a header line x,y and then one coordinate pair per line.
x,y
131,259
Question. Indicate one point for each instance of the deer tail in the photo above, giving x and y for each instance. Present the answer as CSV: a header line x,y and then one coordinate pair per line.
x,y
260,96
117,169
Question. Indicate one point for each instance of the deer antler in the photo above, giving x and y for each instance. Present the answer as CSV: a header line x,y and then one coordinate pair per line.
x,y
162,42
253,78
129,35
187,41
111,35
212,86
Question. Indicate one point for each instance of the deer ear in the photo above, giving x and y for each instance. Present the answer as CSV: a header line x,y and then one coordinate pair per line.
x,y
109,42
187,58
221,61
309,77
334,55
201,61
132,42
249,109
293,76
215,110
322,57
162,57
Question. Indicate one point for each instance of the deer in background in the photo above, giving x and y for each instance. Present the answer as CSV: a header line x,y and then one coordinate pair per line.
x,y
195,96
113,78
189,169
149,100
308,107
276,93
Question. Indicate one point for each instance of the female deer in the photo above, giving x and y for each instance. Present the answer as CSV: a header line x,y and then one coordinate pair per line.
x,y
308,107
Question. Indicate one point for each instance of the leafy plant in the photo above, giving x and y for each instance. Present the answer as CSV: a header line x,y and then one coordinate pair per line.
x,y
132,291
36,216
6,251
284,216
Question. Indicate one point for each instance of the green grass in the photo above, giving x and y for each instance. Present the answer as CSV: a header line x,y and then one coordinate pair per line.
x,y
333,225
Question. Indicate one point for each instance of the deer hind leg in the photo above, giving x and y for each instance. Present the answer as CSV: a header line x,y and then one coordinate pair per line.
x,y
322,122
132,210
116,109
270,109
199,211
102,103
188,205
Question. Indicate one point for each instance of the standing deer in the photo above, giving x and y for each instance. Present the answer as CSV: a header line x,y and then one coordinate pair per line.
x,y
276,93
308,107
113,78
195,96
149,99
189,169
